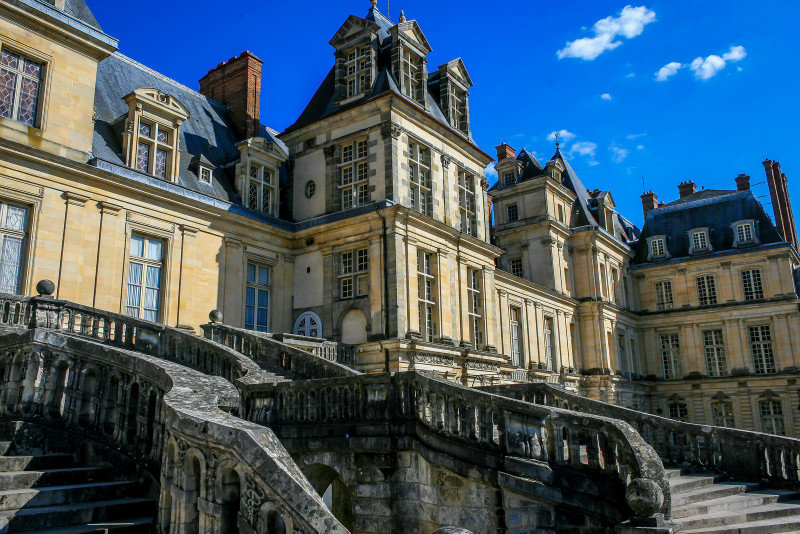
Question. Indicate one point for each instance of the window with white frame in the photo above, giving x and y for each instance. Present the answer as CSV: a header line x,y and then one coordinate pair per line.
x,y
13,234
458,108
715,353
419,171
516,344
358,67
663,291
256,302
515,264
699,240
145,264
154,152
475,311
20,87
744,233
761,348
751,285
706,290
466,202
549,353
353,273
772,417
410,72
426,294
512,214
205,174
261,189
658,248
354,174
722,414
670,356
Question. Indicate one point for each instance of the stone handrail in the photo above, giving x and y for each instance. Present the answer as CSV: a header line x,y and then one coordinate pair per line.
x,y
507,434
739,454
167,419
273,355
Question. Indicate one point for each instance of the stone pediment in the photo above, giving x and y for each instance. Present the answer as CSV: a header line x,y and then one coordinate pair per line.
x,y
159,102
352,27
411,32
457,70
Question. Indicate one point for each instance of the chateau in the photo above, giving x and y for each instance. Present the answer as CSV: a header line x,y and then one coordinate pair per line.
x,y
367,234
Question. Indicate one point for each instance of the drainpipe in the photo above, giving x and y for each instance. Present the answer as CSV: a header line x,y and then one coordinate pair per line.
x,y
385,292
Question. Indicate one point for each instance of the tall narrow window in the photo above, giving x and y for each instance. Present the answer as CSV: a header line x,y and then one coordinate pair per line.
x,y
706,290
603,281
354,175
419,170
512,213
715,353
261,189
475,307
466,202
761,347
508,178
357,65
410,68
515,264
567,282
516,345
144,277
670,356
549,355
20,87
256,305
614,285
622,354
13,228
772,417
751,285
458,108
663,295
722,414
154,152
426,295
353,273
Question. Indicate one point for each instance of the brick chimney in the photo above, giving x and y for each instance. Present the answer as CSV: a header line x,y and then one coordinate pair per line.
x,y
781,205
505,151
594,193
743,182
649,202
237,84
686,188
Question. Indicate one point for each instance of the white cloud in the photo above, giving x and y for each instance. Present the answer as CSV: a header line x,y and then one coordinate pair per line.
x,y
618,154
636,136
564,135
628,24
631,75
583,148
490,173
670,69
708,67
605,96
639,147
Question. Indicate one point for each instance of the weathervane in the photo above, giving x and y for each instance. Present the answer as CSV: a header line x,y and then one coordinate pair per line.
x,y
557,142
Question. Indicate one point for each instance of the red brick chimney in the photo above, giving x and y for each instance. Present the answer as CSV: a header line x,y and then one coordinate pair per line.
x,y
505,151
594,193
743,182
781,205
237,84
649,202
686,188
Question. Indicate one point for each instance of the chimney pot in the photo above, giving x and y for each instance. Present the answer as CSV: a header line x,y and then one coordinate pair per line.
x,y
686,188
649,202
504,151
743,182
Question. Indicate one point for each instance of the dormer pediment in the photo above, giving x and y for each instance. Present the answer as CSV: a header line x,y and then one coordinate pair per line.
x,y
410,32
456,70
159,102
352,29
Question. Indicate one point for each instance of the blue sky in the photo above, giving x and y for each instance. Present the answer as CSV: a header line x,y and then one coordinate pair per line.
x,y
539,67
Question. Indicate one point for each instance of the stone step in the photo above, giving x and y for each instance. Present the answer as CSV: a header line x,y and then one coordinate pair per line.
x,y
75,514
55,495
690,482
11,480
40,461
673,472
714,491
5,446
134,525
745,515
766,526
740,502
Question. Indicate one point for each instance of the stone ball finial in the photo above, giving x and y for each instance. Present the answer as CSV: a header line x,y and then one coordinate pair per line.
x,y
215,316
45,288
644,496
452,530
374,3
402,16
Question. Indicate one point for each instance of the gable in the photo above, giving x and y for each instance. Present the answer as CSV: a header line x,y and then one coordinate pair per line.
x,y
352,28
457,70
411,32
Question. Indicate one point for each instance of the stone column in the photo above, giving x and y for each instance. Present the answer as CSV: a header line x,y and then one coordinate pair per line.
x,y
504,343
186,276
233,282
110,256
72,260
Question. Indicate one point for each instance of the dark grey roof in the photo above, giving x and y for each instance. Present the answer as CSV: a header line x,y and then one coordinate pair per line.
x,y
81,11
716,210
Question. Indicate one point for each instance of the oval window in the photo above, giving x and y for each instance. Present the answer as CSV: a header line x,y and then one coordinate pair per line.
x,y
311,188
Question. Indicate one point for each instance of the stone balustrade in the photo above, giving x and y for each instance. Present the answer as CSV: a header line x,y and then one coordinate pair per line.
x,y
330,350
591,454
739,454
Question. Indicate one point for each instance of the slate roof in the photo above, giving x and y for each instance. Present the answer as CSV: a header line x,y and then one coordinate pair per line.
x,y
79,10
714,209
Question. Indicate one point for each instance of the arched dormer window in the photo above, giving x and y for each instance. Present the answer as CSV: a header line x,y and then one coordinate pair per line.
x,y
151,140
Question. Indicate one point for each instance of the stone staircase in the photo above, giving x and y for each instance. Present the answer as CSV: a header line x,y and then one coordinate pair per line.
x,y
708,503
48,492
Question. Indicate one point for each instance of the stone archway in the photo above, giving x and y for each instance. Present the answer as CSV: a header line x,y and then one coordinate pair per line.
x,y
354,327
330,485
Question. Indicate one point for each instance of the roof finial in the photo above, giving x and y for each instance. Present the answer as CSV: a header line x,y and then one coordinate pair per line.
x,y
557,141
402,16
374,3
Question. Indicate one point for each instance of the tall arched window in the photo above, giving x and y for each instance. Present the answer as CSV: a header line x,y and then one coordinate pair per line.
x,y
308,324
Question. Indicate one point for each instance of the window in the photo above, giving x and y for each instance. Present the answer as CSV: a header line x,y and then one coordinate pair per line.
x,y
508,178
751,285
515,264
353,277
426,295
154,152
256,302
761,347
20,87
657,247
516,345
678,411
621,354
261,190
722,414
772,417
353,174
475,307
458,108
311,188
13,228
512,213
144,277
308,324
670,356
614,284
419,170
567,284
715,353
706,291
603,281
205,175
357,65
699,240
744,233
466,202
663,295
549,355
560,213
410,71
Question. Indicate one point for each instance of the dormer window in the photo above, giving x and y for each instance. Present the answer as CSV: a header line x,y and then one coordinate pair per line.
x,y
744,233
357,66
154,151
698,240
261,189
458,111
508,179
657,247
205,175
410,70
